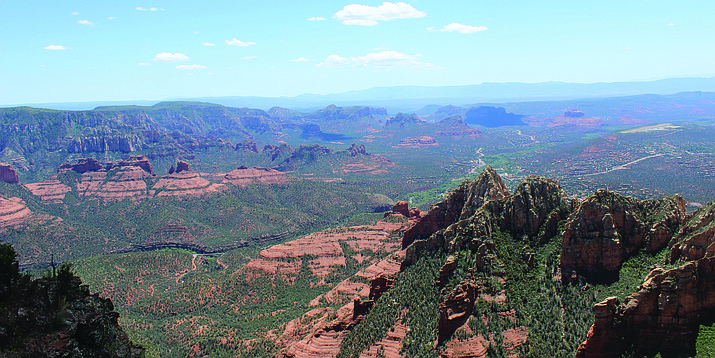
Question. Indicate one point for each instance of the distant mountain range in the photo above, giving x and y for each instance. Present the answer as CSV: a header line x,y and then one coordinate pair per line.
x,y
412,98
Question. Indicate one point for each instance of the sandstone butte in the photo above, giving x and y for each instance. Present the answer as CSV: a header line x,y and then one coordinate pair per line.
x,y
129,178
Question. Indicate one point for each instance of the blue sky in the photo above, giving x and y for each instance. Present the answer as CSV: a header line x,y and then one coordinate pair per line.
x,y
71,51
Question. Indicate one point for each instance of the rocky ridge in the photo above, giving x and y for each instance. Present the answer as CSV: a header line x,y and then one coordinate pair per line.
x,y
479,213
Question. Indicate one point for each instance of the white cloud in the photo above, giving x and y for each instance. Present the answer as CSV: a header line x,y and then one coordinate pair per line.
x,y
364,15
384,59
149,9
301,59
239,43
334,61
671,24
56,47
248,57
170,57
75,13
85,22
144,63
208,44
316,18
43,66
111,17
190,67
461,28
196,32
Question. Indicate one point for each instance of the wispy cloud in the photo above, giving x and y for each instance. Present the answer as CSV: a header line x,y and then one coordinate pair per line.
x,y
75,13
111,17
208,44
148,9
239,43
671,24
461,28
170,57
365,15
144,63
190,67
56,47
384,59
85,22
301,59
316,18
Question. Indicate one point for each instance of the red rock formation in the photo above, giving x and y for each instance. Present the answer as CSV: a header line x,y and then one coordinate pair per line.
x,y
137,161
244,176
401,207
608,227
456,309
50,191
185,183
417,142
8,174
182,166
13,212
83,165
120,183
694,240
665,314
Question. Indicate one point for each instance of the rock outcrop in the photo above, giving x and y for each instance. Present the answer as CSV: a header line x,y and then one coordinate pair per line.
x,y
83,165
456,309
417,142
607,228
8,174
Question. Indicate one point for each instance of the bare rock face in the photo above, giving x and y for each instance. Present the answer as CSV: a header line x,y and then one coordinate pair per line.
x,y
244,176
8,174
607,228
83,165
462,203
456,309
182,166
